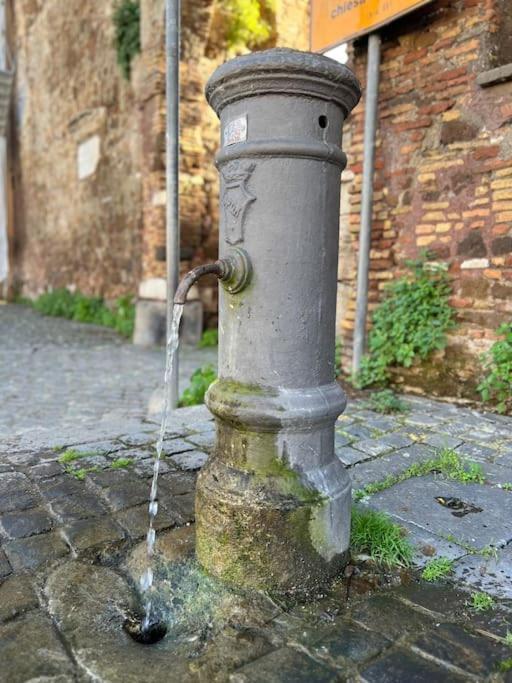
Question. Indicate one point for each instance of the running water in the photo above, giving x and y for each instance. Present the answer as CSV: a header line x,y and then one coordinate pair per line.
x,y
146,580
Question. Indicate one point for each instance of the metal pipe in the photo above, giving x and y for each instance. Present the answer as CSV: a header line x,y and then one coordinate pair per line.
x,y
172,42
218,268
370,129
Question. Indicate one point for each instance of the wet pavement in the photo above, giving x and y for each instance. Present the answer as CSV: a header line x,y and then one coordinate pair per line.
x,y
73,517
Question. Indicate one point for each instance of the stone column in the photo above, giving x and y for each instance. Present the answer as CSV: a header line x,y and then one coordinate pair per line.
x,y
273,502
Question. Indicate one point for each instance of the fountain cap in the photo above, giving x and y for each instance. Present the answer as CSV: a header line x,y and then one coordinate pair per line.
x,y
285,72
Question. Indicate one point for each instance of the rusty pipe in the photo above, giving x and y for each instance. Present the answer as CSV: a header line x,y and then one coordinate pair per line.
x,y
219,268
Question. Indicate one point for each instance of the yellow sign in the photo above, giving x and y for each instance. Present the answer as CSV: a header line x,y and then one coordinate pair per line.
x,y
335,21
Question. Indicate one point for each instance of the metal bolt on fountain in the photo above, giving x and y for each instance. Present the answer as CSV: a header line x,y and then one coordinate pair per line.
x,y
273,501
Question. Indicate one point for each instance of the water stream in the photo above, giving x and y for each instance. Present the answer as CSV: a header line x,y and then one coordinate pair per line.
x,y
146,580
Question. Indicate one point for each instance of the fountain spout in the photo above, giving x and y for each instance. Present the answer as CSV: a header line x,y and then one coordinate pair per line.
x,y
234,272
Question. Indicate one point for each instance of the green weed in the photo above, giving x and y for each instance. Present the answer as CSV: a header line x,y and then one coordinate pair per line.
x,y
209,338
411,321
127,33
481,602
447,463
121,463
496,386
508,639
82,472
507,486
199,383
437,569
373,533
505,665
62,303
70,455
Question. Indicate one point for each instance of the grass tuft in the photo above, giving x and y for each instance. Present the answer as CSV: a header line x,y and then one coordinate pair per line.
x,y
447,462
121,463
481,602
437,569
81,473
374,534
71,455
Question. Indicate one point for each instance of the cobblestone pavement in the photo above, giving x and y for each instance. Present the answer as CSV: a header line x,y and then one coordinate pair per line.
x,y
72,540
58,376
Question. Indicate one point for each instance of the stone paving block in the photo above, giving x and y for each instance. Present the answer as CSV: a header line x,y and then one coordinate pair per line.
x,y
177,483
372,447
5,567
204,440
190,461
79,506
135,454
25,523
46,470
475,451
145,468
350,643
384,614
285,665
87,534
130,492
30,553
358,431
16,596
175,446
393,463
403,666
30,650
397,440
443,600
136,520
349,456
145,437
427,545
492,623
381,424
489,574
437,440
452,644
414,500
16,492
60,487
184,505
423,419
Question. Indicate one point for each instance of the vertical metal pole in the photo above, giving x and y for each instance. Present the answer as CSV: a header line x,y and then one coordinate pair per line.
x,y
172,41
370,128
4,255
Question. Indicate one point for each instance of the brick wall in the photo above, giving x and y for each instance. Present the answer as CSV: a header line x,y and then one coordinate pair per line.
x,y
443,179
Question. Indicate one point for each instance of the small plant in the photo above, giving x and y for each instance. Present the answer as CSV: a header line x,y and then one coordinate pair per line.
x,y
373,533
386,402
497,385
209,338
481,602
508,639
249,23
71,455
62,303
127,34
82,472
507,486
437,569
121,463
447,463
199,383
505,665
411,321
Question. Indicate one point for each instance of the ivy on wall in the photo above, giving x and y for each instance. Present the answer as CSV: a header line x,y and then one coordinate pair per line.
x,y
496,386
127,33
249,23
411,321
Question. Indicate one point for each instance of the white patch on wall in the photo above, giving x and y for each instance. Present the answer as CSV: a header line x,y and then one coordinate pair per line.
x,y
88,157
153,288
475,263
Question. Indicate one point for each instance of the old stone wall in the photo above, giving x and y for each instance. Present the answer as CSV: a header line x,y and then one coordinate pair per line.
x,y
77,171
443,178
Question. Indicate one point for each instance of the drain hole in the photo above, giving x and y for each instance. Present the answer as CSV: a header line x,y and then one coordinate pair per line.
x,y
148,636
322,121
